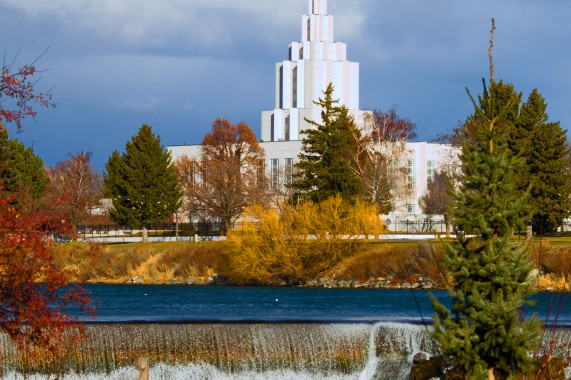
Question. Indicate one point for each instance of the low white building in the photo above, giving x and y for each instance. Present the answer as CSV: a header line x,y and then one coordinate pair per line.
x,y
313,63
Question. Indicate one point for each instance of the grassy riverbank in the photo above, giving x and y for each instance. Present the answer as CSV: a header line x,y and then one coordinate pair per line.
x,y
395,261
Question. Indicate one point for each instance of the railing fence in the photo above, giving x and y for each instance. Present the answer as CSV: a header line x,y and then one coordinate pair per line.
x,y
202,229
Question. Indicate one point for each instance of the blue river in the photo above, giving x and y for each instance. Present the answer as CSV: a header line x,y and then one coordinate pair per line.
x,y
168,304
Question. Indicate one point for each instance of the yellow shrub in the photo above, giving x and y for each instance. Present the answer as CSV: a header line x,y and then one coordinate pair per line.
x,y
300,243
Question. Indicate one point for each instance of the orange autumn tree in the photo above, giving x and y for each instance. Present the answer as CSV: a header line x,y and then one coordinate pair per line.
x,y
228,176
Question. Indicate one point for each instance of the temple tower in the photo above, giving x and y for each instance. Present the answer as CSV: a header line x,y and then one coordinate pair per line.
x,y
314,62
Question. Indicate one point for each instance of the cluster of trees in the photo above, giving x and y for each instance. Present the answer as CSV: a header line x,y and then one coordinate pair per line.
x,y
542,166
337,158
358,163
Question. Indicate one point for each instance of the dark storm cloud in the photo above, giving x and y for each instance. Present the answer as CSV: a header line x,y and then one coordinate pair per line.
x,y
178,65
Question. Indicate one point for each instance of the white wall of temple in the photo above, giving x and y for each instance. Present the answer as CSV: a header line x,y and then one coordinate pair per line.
x,y
423,160
300,83
178,151
288,124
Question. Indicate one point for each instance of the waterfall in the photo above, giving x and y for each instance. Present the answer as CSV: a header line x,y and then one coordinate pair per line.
x,y
282,351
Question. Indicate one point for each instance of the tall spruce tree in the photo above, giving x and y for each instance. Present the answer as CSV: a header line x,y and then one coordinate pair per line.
x,y
324,166
142,183
545,164
482,335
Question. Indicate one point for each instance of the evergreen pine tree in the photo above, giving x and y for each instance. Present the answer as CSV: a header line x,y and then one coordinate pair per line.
x,y
142,183
545,165
541,145
324,167
483,334
21,171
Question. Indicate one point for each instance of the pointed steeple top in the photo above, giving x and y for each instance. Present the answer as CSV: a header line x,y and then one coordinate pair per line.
x,y
317,7
317,26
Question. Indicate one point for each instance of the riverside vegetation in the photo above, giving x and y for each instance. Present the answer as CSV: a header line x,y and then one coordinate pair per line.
x,y
375,263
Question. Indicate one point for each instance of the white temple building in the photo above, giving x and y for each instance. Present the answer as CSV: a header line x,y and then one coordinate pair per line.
x,y
314,62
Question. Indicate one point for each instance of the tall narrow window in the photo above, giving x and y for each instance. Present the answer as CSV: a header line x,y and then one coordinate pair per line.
x,y
275,172
429,171
192,175
288,172
410,166
201,168
410,172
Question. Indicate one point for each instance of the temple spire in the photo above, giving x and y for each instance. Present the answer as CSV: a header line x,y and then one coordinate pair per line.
x,y
317,7
317,25
314,62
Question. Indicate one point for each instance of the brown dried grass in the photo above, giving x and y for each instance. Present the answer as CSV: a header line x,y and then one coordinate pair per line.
x,y
158,263
403,261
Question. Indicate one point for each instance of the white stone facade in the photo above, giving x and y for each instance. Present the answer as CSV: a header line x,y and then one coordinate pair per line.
x,y
314,62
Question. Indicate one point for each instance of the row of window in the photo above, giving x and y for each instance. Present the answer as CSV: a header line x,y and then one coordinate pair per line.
x,y
288,170
430,170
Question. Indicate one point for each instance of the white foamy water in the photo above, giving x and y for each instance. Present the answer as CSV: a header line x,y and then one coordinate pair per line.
x,y
250,351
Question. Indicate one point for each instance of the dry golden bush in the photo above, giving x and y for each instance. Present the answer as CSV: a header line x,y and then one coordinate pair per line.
x,y
301,243
259,251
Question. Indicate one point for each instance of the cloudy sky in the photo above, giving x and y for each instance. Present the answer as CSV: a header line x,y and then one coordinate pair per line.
x,y
177,65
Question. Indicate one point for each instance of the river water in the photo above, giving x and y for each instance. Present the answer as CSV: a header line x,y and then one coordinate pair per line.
x,y
160,303
179,303
225,333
